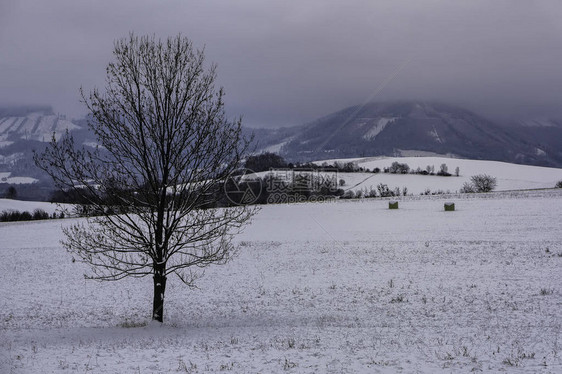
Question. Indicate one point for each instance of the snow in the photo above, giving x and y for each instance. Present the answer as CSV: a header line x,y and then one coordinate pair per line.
x,y
11,158
91,144
433,133
8,123
21,180
378,127
5,143
5,177
538,122
509,176
29,206
4,124
36,126
275,148
341,287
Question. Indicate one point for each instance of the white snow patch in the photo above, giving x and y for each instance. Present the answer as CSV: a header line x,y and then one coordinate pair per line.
x,y
275,148
5,143
91,144
538,122
5,177
378,128
21,180
37,126
433,133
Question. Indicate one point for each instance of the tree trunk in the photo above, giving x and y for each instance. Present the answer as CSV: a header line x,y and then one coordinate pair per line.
x,y
159,290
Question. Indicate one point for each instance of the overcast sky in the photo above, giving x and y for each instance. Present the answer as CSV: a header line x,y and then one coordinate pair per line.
x,y
289,62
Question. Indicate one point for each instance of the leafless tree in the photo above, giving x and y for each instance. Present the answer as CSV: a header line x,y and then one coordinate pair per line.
x,y
483,182
164,146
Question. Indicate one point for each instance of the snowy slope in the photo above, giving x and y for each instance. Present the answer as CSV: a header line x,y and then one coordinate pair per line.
x,y
34,126
346,287
388,128
29,206
509,176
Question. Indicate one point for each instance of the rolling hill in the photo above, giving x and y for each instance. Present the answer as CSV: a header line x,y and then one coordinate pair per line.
x,y
375,129
509,176
416,128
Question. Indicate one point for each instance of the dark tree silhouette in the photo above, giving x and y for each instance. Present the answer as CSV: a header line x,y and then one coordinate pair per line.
x,y
265,161
11,193
165,146
483,182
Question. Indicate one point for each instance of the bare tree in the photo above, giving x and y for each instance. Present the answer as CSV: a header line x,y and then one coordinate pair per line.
x,y
164,146
483,182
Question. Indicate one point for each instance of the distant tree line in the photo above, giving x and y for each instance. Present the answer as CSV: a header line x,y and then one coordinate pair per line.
x,y
37,214
403,168
268,161
381,190
301,182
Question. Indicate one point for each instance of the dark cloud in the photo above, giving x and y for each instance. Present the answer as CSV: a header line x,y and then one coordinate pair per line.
x,y
288,62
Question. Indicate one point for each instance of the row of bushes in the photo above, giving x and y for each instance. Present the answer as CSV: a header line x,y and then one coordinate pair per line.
x,y
38,214
403,168
382,190
394,168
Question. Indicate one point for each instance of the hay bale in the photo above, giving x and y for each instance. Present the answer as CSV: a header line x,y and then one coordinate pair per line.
x,y
393,205
449,207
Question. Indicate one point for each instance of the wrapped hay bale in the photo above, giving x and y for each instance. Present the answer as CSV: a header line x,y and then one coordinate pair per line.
x,y
449,207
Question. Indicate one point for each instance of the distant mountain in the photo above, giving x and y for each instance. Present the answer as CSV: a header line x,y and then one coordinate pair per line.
x,y
22,131
31,123
376,129
416,128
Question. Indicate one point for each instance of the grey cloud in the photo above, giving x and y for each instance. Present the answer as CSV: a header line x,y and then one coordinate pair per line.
x,y
288,62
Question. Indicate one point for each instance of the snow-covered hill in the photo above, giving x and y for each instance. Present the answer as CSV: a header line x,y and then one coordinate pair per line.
x,y
509,176
401,128
24,130
29,206
36,126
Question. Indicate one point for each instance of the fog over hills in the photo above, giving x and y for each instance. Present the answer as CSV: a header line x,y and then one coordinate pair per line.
x,y
374,129
416,128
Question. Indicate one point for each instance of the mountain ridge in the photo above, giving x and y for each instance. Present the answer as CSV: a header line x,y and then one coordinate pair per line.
x,y
373,129
387,129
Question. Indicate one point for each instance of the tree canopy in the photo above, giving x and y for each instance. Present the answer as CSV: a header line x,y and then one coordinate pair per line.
x,y
164,147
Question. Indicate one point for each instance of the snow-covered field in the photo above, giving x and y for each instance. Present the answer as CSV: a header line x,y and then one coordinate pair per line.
x,y
509,176
29,206
341,287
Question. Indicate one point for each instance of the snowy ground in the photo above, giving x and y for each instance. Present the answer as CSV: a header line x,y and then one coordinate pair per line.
x,y
346,287
509,176
30,206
